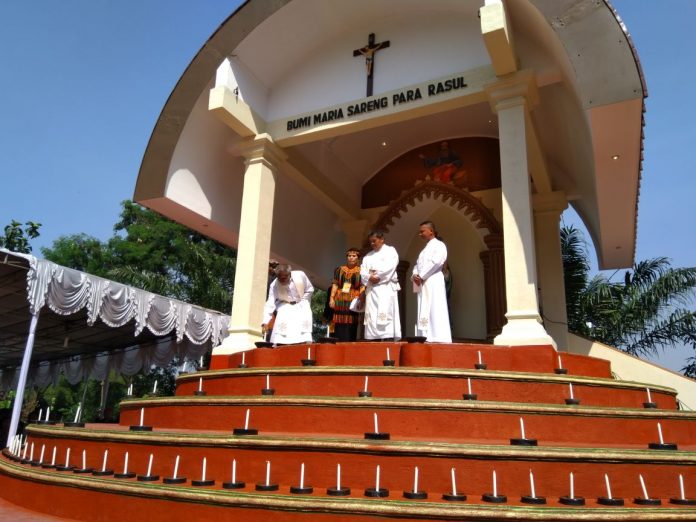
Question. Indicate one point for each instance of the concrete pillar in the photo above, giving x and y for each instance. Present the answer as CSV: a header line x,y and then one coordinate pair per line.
x,y
510,98
547,216
253,251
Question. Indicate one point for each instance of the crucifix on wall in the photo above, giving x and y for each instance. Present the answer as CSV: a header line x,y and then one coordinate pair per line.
x,y
369,53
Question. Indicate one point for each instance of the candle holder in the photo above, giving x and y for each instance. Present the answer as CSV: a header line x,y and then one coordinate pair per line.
x,y
451,497
328,340
82,471
242,365
572,501
263,344
388,362
64,468
606,501
245,431
47,422
494,499
523,442
308,362
103,472
174,480
650,405
233,485
267,391
416,339
46,465
200,392
528,499
415,495
364,393
560,371
203,483
382,435
266,487
338,492
469,396
304,490
140,428
73,424
642,501
481,366
126,475
669,446
572,402
148,478
683,501
34,463
377,493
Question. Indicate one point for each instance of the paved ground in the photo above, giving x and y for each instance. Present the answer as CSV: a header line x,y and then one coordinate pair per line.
x,y
13,513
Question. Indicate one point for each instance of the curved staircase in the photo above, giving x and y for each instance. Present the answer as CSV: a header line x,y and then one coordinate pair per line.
x,y
524,415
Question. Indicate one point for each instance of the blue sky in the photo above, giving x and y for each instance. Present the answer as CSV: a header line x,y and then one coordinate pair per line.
x,y
82,83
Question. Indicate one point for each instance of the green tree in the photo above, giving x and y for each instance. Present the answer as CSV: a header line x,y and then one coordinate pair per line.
x,y
648,311
17,238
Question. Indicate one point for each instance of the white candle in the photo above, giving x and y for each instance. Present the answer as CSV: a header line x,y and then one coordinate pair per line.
x,y
309,353
149,465
560,363
268,381
479,357
649,396
154,387
531,484
200,363
642,485
84,459
522,428
454,482
200,384
468,384
142,416
328,330
48,413
495,484
268,472
415,329
67,458
53,458
234,470
572,485
681,487
246,420
365,383
77,413
31,452
176,466
302,476
338,476
415,479
205,463
106,456
376,424
41,456
570,388
659,433
606,481
130,389
243,357
26,447
125,464
377,479
40,414
388,356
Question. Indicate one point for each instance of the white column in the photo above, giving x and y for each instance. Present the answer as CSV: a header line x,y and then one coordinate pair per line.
x,y
253,251
547,216
22,382
510,99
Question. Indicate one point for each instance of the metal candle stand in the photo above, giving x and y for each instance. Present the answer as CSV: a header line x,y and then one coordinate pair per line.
x,y
233,485
267,391
245,431
647,501
203,483
174,480
415,495
82,471
481,366
200,392
364,393
669,446
140,428
266,487
376,493
572,501
494,499
304,490
338,492
451,497
382,435
523,442
148,478
683,501
308,362
606,501
388,362
572,402
528,499
650,405
126,475
560,371
103,472
469,396
73,424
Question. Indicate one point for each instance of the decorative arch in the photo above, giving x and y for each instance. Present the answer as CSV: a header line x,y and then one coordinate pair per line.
x,y
484,222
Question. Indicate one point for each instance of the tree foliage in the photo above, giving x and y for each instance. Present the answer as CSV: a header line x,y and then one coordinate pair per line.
x,y
17,239
649,310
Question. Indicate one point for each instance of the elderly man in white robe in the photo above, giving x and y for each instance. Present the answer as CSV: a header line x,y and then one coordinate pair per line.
x,y
378,274
289,296
429,283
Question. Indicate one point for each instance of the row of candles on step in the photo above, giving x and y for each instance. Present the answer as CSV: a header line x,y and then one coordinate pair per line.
x,y
20,447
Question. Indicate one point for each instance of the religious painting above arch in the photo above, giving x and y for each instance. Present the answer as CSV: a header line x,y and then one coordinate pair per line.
x,y
468,163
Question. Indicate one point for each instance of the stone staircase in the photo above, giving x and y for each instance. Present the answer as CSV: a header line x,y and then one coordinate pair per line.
x,y
463,411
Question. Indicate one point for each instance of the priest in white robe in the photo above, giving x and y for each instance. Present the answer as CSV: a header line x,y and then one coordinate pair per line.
x,y
289,296
429,283
378,274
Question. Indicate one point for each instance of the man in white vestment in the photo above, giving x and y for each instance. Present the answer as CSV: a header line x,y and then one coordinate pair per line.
x,y
378,274
429,283
289,296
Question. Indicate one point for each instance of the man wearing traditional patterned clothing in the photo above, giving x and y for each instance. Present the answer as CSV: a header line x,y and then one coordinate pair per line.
x,y
429,283
289,296
378,273
346,286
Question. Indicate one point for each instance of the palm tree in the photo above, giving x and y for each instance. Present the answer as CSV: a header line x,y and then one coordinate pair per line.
x,y
650,310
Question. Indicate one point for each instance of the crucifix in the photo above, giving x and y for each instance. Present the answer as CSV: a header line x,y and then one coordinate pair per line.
x,y
369,53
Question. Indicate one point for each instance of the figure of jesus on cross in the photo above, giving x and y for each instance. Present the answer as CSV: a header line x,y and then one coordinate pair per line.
x,y
369,53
